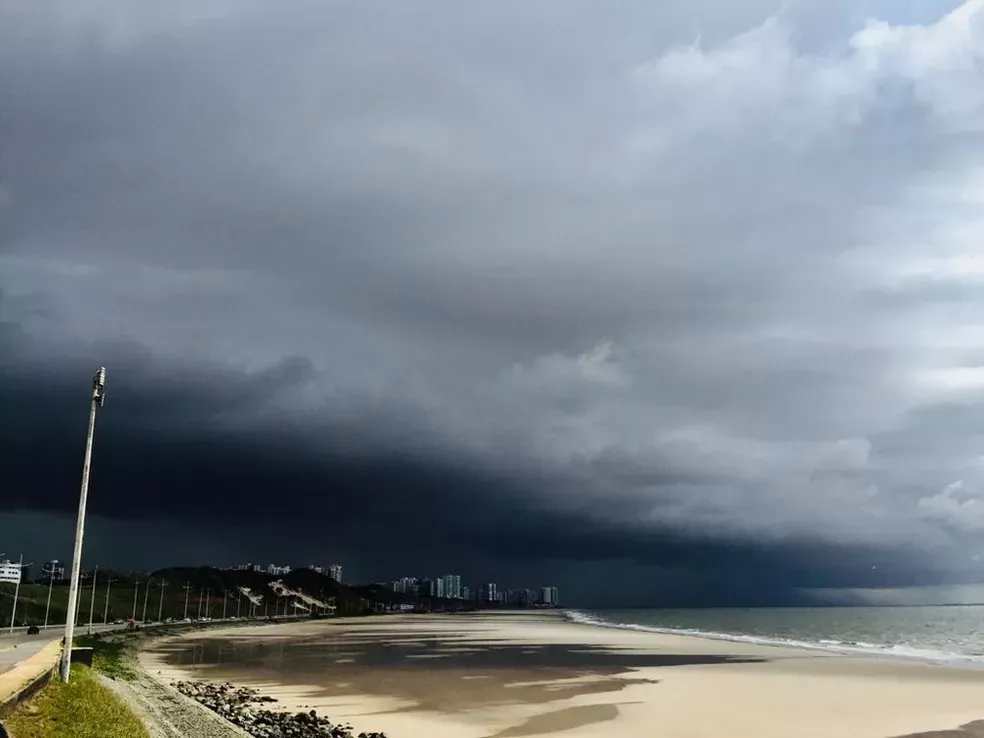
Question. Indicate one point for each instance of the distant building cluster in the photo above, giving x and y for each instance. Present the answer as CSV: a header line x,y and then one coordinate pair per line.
x,y
449,587
334,571
52,571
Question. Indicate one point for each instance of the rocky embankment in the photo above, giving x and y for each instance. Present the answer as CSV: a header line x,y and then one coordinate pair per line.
x,y
244,707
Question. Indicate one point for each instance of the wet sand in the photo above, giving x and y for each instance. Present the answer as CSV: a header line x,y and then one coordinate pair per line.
x,y
525,674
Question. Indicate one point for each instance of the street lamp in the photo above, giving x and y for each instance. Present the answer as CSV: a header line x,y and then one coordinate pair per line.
x,y
187,586
98,396
47,607
146,598
92,602
160,607
106,608
20,575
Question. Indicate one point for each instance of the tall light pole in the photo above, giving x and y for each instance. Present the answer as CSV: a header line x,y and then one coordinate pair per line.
x,y
201,594
47,608
160,607
106,608
208,603
136,589
98,396
92,602
20,575
225,601
146,598
187,586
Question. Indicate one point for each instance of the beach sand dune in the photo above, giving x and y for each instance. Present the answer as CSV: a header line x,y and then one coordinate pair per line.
x,y
521,674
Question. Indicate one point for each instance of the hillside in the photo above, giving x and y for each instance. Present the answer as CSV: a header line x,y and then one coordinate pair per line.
x,y
210,591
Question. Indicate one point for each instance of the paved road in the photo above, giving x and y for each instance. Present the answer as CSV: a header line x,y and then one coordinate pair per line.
x,y
20,646
11,656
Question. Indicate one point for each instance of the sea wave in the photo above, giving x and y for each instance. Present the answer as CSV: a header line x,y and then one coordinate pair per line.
x,y
855,648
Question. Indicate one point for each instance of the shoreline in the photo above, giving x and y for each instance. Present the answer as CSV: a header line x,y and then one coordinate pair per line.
x,y
844,649
514,674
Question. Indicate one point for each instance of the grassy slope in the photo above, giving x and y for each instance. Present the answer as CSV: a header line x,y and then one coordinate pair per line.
x,y
109,656
83,708
220,588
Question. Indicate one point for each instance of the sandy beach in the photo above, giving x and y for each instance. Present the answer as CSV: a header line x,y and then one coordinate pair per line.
x,y
525,674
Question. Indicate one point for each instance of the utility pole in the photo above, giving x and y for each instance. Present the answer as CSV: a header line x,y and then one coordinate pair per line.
x,y
208,603
201,594
47,608
92,599
225,601
239,602
160,608
146,599
98,397
136,588
187,586
20,575
106,608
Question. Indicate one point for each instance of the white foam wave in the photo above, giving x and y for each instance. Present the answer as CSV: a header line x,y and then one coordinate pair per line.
x,y
899,650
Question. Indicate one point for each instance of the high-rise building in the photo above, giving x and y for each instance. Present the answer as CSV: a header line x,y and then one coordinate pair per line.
x,y
465,593
452,586
549,596
52,570
316,569
335,572
490,593
406,585
9,571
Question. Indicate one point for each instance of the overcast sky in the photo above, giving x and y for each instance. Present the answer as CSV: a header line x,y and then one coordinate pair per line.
x,y
682,299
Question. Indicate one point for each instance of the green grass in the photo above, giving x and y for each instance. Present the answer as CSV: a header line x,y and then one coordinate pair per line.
x,y
83,708
109,656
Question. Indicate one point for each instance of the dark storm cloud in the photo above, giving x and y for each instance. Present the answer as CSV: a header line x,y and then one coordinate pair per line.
x,y
655,284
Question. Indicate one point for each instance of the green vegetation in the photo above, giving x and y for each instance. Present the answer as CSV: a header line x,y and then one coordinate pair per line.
x,y
209,591
83,708
33,599
109,655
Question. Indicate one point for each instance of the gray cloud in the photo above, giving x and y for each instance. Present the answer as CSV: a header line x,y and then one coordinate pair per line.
x,y
708,270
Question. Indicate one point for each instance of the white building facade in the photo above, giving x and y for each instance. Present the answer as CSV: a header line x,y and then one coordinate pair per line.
x,y
10,572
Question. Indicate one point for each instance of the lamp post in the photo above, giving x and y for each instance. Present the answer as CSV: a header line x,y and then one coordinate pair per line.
x,y
47,607
92,601
187,586
98,397
160,607
136,589
208,603
20,575
146,598
106,608
201,594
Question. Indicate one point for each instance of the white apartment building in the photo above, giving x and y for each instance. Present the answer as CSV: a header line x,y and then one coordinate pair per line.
x,y
9,571
278,571
549,596
335,572
452,586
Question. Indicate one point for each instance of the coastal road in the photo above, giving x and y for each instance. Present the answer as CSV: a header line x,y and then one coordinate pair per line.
x,y
20,646
12,653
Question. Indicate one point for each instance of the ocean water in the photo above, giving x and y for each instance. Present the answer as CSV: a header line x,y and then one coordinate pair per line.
x,y
948,635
